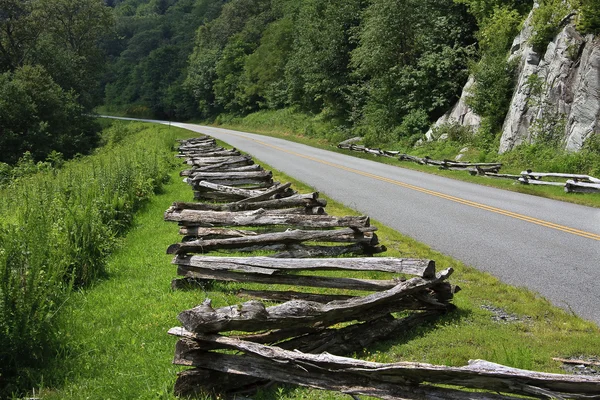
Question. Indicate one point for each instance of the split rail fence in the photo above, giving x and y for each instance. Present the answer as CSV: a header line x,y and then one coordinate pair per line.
x,y
572,183
328,307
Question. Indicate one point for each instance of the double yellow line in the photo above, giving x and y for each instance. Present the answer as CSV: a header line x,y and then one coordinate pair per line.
x,y
474,204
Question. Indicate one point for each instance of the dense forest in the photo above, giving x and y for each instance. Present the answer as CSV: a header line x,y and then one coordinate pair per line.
x,y
382,69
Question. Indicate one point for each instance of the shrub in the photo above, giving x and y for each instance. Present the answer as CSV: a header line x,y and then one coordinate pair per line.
x,y
57,226
546,22
589,16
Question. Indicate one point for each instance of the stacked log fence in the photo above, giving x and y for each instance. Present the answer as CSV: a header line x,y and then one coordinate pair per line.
x,y
572,183
304,301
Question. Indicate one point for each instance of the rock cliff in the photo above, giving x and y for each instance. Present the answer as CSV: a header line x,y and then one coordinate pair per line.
x,y
557,95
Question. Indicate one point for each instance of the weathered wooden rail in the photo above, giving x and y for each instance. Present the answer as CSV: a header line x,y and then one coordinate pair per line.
x,y
576,183
286,342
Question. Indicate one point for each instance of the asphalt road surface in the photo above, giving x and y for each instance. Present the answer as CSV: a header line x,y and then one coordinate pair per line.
x,y
548,246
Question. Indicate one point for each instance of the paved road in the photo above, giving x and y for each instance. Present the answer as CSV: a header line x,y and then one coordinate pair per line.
x,y
549,246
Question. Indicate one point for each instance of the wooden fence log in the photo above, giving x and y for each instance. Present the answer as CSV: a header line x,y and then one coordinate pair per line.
x,y
528,181
212,176
341,341
409,266
573,186
253,316
242,192
244,168
272,295
200,162
214,233
297,280
299,251
479,374
424,302
224,166
302,201
540,175
247,183
262,218
199,148
214,153
269,193
317,376
215,196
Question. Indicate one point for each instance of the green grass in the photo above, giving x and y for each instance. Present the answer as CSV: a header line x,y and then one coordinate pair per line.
x,y
113,341
290,125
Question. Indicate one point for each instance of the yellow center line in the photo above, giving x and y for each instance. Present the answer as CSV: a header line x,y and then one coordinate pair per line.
x,y
500,211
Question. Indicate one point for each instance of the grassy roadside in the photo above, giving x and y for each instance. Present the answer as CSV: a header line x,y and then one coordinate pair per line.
x,y
114,343
438,151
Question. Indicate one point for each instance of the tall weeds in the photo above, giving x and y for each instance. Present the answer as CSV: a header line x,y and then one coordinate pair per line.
x,y
57,228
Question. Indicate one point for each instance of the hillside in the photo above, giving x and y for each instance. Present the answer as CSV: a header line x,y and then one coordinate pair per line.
x,y
382,69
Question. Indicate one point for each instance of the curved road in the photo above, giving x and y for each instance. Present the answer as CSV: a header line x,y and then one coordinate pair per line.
x,y
548,246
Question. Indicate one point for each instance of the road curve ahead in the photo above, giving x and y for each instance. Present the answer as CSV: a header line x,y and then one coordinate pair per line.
x,y
548,246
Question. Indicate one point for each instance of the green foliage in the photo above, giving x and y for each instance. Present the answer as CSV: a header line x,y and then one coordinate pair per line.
x,y
544,157
318,73
546,20
149,59
454,132
38,116
589,16
264,70
57,228
50,63
484,9
494,76
420,63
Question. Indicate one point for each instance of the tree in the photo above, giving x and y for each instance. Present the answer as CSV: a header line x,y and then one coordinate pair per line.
x,y
38,116
412,57
318,71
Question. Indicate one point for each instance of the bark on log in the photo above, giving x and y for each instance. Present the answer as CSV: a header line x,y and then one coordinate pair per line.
x,y
224,166
241,192
581,187
347,235
479,374
306,374
212,176
215,196
416,303
263,218
269,193
243,168
342,341
419,267
299,251
265,181
296,280
304,201
200,162
216,153
253,316
527,181
288,295
540,175
214,233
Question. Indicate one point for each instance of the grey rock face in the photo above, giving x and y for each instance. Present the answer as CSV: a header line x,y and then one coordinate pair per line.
x,y
567,103
515,129
584,118
557,95
461,113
